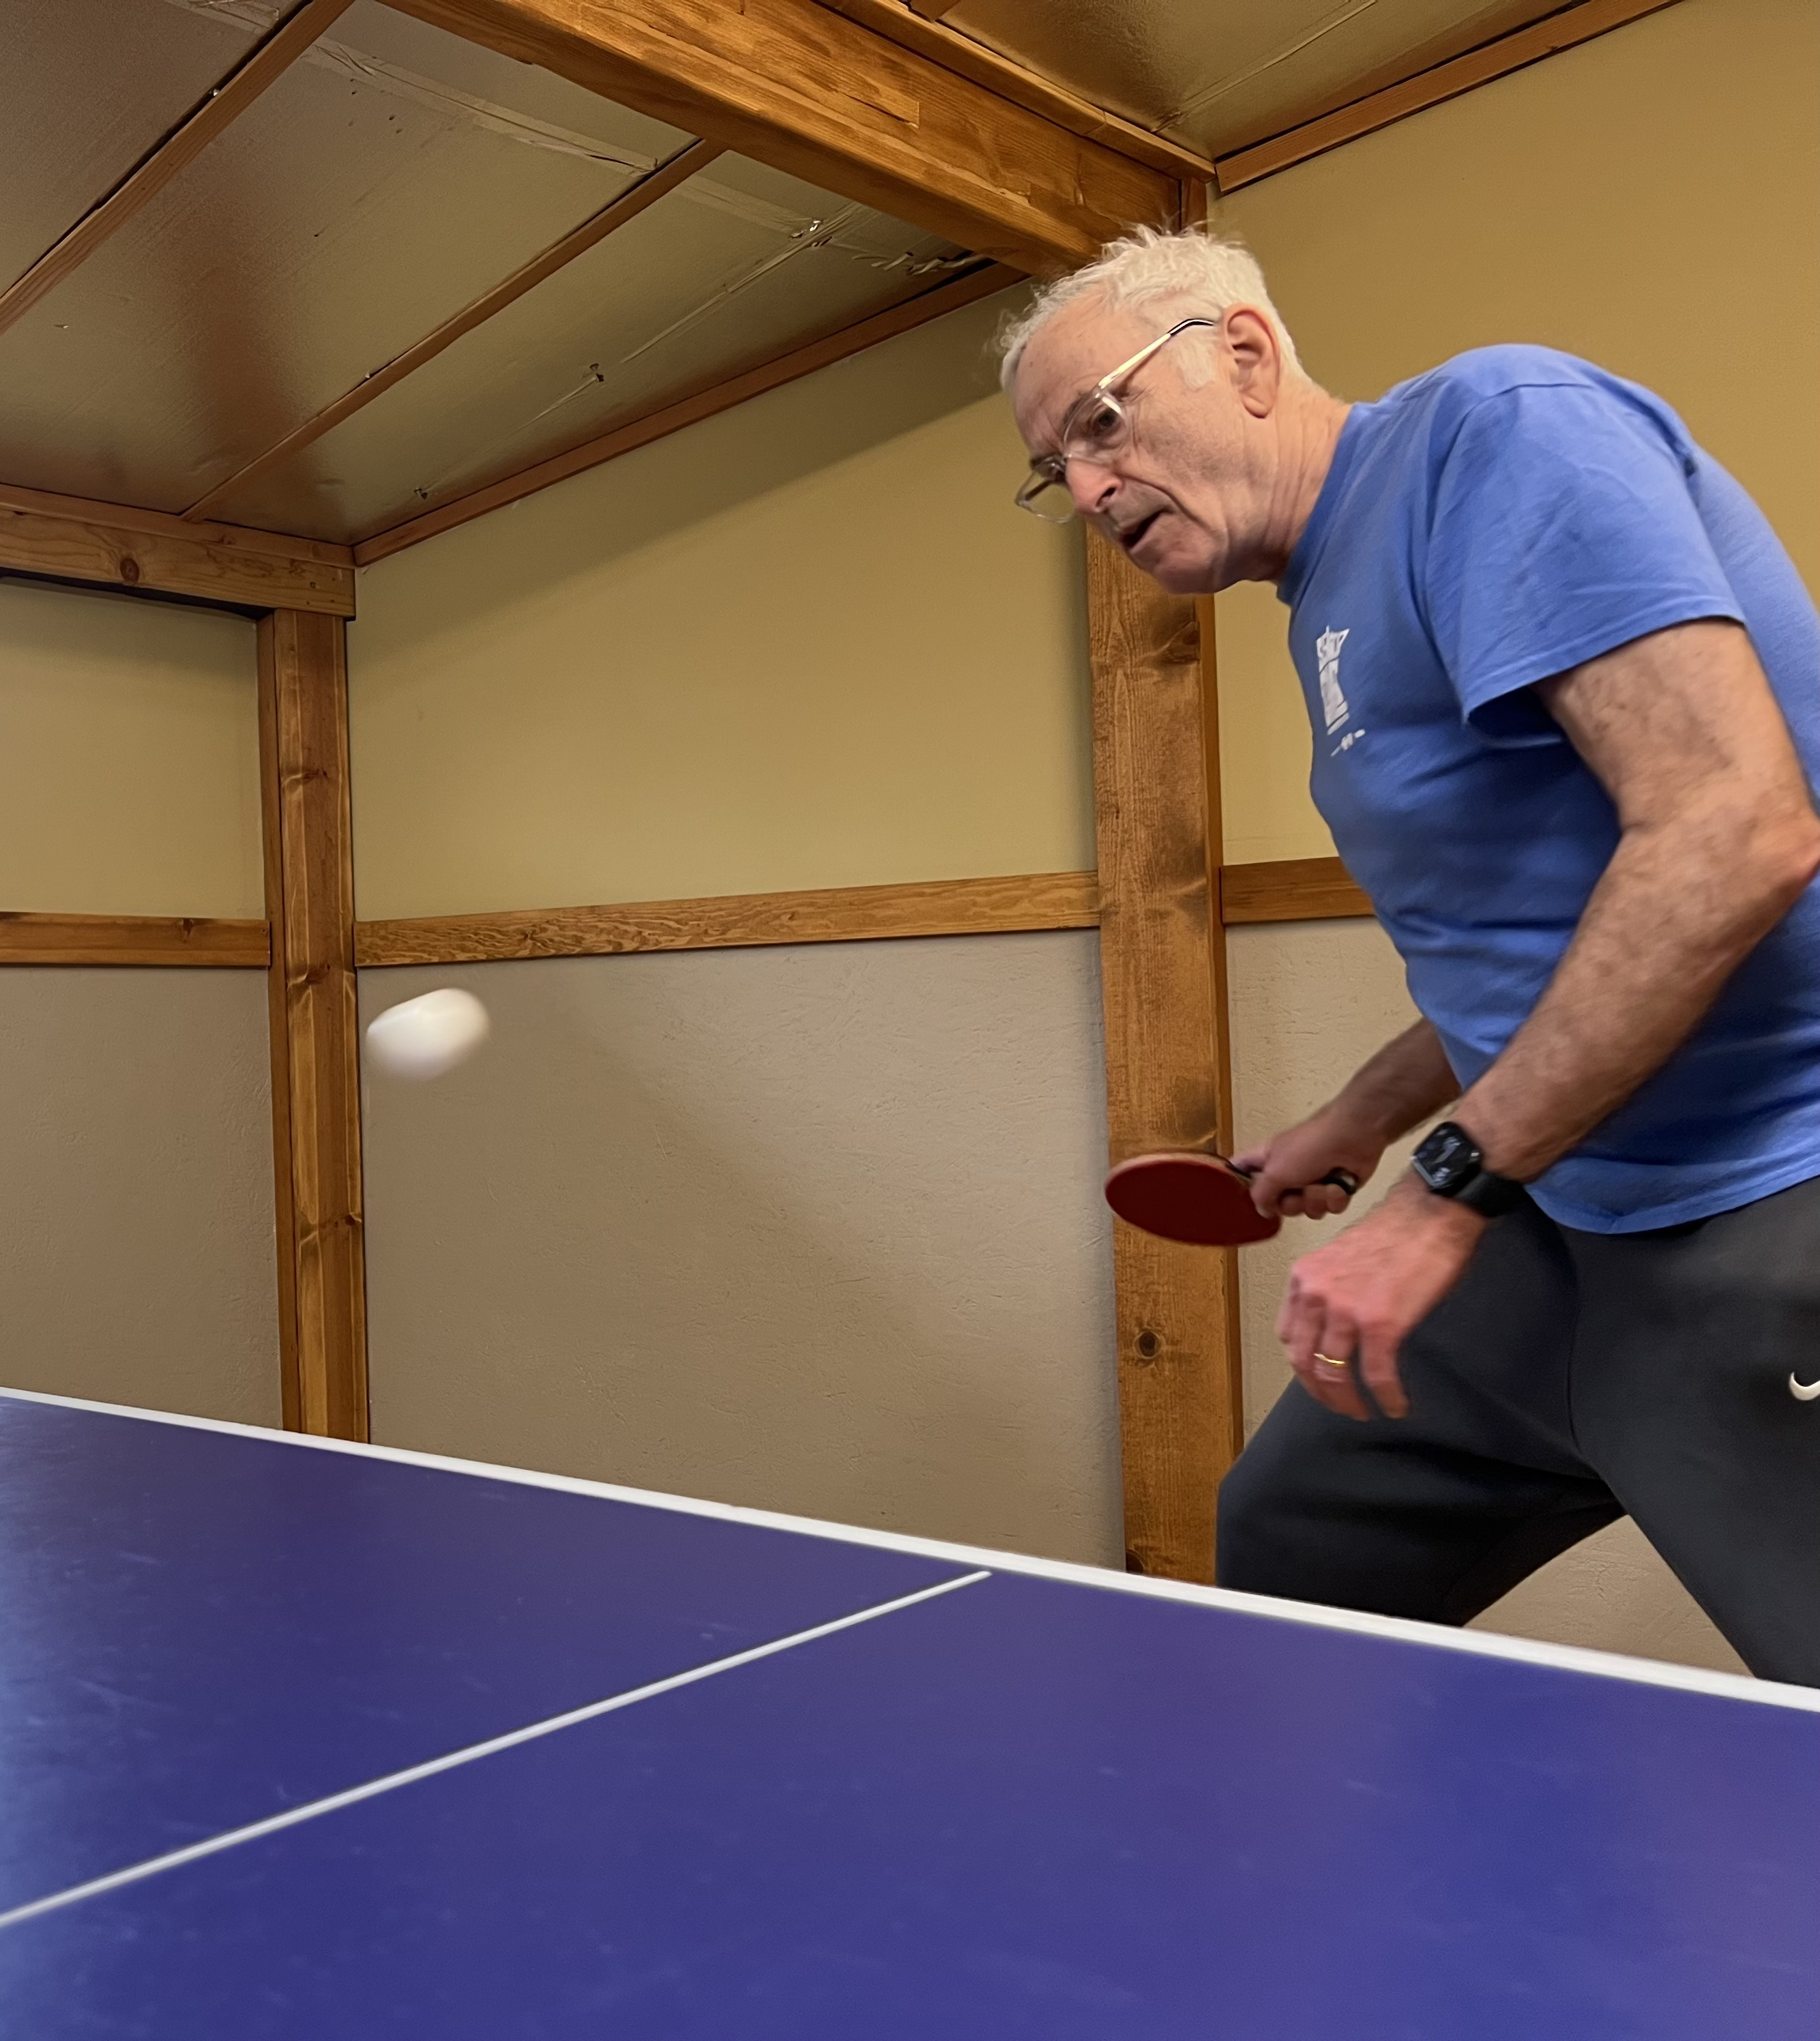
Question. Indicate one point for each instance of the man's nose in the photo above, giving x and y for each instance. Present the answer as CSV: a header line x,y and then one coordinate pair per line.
x,y
1091,486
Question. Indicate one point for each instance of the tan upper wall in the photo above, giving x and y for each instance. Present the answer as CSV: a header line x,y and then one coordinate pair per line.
x,y
1650,200
808,643
129,757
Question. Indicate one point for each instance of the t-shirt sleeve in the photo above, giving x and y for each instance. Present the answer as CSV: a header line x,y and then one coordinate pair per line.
x,y
1562,526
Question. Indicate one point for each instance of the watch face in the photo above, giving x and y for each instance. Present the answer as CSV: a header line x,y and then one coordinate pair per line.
x,y
1446,1157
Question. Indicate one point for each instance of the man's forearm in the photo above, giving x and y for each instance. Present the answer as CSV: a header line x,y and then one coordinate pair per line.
x,y
1676,913
1407,1082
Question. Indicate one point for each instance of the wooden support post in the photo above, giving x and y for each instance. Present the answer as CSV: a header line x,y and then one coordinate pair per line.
x,y
315,1074
1167,1066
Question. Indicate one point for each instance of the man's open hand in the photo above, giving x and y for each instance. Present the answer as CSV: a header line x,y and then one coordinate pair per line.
x,y
1356,1300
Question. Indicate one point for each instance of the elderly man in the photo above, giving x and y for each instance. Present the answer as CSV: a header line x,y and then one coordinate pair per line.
x,y
1565,689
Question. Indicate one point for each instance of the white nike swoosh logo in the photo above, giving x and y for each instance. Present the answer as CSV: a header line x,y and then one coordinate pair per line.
x,y
1803,1392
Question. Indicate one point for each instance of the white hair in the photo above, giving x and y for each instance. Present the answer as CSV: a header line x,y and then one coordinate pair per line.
x,y
1198,270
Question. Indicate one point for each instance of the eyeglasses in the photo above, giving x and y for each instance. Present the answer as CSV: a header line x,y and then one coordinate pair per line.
x,y
1098,426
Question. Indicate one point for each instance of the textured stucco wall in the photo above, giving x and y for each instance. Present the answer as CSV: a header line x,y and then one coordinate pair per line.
x,y
137,1263
1311,1001
815,1228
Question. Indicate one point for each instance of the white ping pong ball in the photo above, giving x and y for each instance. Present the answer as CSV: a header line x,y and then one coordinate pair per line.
x,y
423,1037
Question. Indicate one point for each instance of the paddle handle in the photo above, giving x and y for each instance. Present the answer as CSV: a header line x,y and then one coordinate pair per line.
x,y
1341,1180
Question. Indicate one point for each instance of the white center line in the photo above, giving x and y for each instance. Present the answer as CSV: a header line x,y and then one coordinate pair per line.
x,y
311,1808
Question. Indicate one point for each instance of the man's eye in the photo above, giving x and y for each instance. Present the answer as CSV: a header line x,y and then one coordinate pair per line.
x,y
1100,424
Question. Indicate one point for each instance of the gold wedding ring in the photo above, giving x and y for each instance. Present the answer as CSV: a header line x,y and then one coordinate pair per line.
x,y
1334,1360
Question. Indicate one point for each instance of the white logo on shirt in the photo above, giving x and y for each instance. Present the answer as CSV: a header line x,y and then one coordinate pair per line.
x,y
1333,703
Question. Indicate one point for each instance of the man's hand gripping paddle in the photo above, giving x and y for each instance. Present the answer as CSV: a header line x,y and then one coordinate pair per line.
x,y
1203,1200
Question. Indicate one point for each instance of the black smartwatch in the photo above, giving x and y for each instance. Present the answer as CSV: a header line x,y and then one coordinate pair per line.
x,y
1450,1164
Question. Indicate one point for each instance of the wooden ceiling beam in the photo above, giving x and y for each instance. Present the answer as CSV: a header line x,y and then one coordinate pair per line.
x,y
593,230
635,432
919,27
808,90
268,61
111,545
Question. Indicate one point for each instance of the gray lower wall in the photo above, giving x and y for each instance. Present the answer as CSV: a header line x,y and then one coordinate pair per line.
x,y
137,1261
817,1228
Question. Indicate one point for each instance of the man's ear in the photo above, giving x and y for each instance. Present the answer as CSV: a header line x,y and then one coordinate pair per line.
x,y
1256,358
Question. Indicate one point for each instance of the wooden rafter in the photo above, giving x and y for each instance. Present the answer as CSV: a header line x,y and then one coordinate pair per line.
x,y
111,545
267,63
1459,74
811,92
799,362
592,232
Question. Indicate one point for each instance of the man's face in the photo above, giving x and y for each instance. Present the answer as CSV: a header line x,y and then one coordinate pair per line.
x,y
1186,498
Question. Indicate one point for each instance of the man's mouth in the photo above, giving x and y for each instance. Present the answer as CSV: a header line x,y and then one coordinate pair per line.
x,y
1130,535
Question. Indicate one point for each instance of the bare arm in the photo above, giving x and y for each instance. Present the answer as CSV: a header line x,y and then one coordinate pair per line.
x,y
1718,838
1407,1082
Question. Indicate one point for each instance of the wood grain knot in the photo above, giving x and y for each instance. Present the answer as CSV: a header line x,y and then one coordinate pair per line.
x,y
1149,1346
129,570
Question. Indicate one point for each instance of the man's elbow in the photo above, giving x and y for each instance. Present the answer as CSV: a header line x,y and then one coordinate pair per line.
x,y
1787,859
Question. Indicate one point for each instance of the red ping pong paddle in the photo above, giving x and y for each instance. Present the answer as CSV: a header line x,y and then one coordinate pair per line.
x,y
1203,1200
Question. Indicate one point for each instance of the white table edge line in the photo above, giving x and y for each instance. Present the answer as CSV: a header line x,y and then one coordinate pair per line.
x,y
470,1754
1483,1643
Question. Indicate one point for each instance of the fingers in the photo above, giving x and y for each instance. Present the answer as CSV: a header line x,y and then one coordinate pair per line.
x,y
1312,1201
1377,1363
1321,1343
1267,1187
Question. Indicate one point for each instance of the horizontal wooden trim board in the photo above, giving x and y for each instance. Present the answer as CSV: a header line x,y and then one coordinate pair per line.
x,y
1289,889
112,545
833,914
1515,52
140,939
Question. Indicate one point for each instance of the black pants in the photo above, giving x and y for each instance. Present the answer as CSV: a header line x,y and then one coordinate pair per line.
x,y
1568,1379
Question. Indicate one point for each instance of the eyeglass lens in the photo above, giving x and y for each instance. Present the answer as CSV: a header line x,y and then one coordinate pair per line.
x,y
1050,500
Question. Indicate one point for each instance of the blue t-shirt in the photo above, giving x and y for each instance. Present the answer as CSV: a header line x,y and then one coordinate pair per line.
x,y
1500,519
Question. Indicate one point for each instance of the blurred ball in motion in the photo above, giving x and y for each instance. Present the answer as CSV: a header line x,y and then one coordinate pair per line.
x,y
423,1037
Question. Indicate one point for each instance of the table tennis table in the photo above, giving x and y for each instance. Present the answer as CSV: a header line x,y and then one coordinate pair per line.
x,y
303,1739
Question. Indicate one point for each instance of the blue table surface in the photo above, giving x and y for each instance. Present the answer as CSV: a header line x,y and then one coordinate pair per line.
x,y
1025,1808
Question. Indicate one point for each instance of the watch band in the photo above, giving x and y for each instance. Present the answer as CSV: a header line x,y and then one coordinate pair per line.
x,y
1488,1195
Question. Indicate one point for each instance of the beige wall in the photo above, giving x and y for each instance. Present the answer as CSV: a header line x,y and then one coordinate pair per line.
x,y
1311,1000
129,757
814,1228
809,643
136,1260
1650,200
136,1249
817,1228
